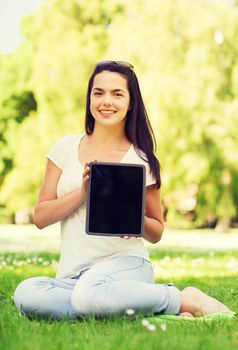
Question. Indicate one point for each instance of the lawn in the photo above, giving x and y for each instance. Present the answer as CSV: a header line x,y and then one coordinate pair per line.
x,y
215,272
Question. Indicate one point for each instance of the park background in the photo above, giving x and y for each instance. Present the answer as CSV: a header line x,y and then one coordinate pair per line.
x,y
185,55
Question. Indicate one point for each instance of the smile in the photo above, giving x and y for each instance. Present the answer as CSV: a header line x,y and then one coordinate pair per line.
x,y
106,112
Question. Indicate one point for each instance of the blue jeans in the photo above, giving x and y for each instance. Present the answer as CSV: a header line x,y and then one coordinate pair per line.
x,y
107,288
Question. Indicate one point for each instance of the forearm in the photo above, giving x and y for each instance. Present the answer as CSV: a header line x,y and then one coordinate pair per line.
x,y
49,212
153,230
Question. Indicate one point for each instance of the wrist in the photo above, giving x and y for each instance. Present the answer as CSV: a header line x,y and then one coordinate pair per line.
x,y
82,195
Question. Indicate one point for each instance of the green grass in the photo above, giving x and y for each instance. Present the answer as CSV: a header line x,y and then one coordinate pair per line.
x,y
214,272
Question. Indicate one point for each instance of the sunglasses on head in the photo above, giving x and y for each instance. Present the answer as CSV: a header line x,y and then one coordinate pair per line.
x,y
118,63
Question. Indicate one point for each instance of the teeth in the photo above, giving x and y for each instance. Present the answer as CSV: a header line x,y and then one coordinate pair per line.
x,y
107,111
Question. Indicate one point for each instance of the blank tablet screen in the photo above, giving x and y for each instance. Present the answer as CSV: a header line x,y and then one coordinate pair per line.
x,y
115,204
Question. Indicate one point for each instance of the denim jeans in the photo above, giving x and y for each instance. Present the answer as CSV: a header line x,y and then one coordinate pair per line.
x,y
107,288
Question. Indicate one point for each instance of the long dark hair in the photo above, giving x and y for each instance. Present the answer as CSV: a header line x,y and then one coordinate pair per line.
x,y
137,128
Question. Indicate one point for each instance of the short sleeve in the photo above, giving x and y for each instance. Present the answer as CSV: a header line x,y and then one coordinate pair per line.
x,y
150,179
58,152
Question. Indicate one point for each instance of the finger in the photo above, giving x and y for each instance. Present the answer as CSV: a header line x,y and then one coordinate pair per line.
x,y
86,171
126,237
85,179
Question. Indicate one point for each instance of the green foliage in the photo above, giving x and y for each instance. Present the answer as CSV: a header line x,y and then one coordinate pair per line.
x,y
185,56
65,40
188,69
16,96
15,108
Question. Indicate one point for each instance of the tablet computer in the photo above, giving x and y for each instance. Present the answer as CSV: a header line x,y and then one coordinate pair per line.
x,y
115,199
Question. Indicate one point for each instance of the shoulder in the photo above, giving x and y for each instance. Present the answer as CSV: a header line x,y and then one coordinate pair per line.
x,y
67,139
63,143
61,147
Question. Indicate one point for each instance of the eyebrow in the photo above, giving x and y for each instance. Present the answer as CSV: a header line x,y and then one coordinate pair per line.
x,y
114,90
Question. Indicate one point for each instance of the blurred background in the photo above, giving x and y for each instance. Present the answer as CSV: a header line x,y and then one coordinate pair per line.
x,y
185,56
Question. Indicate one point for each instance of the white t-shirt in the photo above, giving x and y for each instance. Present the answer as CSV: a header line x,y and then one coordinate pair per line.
x,y
78,249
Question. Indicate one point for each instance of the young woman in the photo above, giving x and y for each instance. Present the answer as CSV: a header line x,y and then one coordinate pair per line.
x,y
99,275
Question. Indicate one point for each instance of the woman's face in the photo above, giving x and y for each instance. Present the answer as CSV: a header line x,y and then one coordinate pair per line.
x,y
109,99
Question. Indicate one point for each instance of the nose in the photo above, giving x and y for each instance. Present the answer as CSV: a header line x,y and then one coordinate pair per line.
x,y
107,100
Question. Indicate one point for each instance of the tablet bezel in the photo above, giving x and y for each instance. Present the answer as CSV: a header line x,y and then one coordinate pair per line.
x,y
142,206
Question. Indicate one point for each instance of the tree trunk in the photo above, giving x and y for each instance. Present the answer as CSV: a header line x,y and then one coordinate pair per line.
x,y
223,225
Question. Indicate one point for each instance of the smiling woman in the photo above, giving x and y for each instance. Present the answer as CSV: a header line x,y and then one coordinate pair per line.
x,y
103,276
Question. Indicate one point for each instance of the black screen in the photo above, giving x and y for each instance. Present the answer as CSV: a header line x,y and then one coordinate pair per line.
x,y
116,199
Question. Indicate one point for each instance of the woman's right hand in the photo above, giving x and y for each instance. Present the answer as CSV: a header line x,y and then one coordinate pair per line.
x,y
85,179
50,209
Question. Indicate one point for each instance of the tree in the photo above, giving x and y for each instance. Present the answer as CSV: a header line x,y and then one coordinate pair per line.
x,y
67,38
16,98
186,57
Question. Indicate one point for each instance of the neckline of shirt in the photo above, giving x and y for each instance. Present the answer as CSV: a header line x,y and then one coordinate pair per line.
x,y
78,145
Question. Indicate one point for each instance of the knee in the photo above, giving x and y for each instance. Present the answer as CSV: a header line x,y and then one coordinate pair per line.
x,y
24,296
21,294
